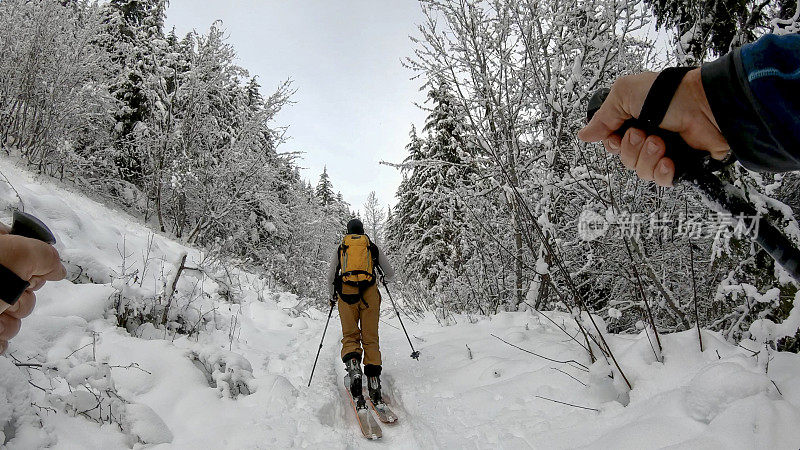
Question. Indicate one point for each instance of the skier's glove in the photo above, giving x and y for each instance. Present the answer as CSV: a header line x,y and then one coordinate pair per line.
x,y
333,300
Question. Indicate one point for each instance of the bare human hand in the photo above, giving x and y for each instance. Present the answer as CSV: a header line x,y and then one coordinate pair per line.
x,y
33,261
689,115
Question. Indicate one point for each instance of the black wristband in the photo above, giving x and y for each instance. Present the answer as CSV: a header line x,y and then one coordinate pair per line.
x,y
11,286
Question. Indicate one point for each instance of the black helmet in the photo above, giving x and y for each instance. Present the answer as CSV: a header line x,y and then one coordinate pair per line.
x,y
355,227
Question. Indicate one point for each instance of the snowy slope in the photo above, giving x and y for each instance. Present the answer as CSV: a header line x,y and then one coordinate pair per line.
x,y
468,390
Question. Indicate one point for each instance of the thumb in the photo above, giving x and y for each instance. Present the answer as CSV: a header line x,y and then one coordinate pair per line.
x,y
625,99
605,121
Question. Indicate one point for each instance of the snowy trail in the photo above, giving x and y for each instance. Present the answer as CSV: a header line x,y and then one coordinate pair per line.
x,y
468,390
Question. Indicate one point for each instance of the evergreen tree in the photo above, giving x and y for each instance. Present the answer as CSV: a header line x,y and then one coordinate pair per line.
x,y
325,189
133,30
717,26
405,216
428,218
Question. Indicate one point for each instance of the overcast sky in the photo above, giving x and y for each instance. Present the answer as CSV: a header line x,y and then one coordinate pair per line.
x,y
354,102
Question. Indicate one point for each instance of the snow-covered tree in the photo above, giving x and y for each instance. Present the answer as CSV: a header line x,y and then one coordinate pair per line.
x,y
168,126
324,191
518,102
133,34
53,95
373,218
703,29
427,228
520,74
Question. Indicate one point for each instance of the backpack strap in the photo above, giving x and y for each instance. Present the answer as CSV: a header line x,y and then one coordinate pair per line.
x,y
356,272
337,279
373,251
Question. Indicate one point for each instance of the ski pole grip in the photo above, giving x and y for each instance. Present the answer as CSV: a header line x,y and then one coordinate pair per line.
x,y
688,161
29,226
12,286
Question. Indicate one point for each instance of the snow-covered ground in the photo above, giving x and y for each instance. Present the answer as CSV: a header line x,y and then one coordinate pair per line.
x,y
239,381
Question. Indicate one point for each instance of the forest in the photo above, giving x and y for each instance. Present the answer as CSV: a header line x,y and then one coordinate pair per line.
x,y
166,126
496,187
549,296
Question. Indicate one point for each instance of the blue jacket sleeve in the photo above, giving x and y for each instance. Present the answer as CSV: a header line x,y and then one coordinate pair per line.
x,y
754,94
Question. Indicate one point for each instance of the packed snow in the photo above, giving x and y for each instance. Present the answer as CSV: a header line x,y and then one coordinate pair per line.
x,y
230,369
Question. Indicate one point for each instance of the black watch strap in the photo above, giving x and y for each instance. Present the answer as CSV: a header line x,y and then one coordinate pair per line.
x,y
11,286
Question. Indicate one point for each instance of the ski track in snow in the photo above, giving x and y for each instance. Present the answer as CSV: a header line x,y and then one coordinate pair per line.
x,y
447,399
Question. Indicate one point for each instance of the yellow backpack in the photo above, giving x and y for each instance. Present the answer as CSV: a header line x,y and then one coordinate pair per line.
x,y
357,257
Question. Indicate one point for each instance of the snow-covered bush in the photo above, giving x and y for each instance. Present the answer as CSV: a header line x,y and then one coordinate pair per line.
x,y
19,420
77,385
228,372
84,387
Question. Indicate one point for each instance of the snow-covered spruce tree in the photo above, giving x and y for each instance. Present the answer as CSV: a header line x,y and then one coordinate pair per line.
x,y
324,190
426,231
405,210
704,29
133,34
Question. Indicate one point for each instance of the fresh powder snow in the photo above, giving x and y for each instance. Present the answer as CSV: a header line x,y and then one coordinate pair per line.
x,y
73,378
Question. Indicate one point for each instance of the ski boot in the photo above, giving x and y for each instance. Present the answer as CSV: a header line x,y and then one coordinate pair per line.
x,y
353,365
373,373
384,413
374,387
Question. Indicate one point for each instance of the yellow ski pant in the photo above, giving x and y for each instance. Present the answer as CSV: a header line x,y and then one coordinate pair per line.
x,y
360,325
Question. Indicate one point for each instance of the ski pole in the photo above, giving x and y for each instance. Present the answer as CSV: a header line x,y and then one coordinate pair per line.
x,y
414,353
695,169
320,344
11,286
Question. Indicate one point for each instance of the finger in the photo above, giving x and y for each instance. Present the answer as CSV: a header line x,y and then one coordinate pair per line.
x,y
612,144
58,273
3,347
36,283
631,146
23,307
28,257
652,151
9,326
606,120
665,170
623,102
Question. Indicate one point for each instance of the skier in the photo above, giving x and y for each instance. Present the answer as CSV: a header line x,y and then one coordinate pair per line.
x,y
352,279
745,102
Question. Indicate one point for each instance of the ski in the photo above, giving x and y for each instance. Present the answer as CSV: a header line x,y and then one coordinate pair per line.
x,y
369,426
384,413
382,410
